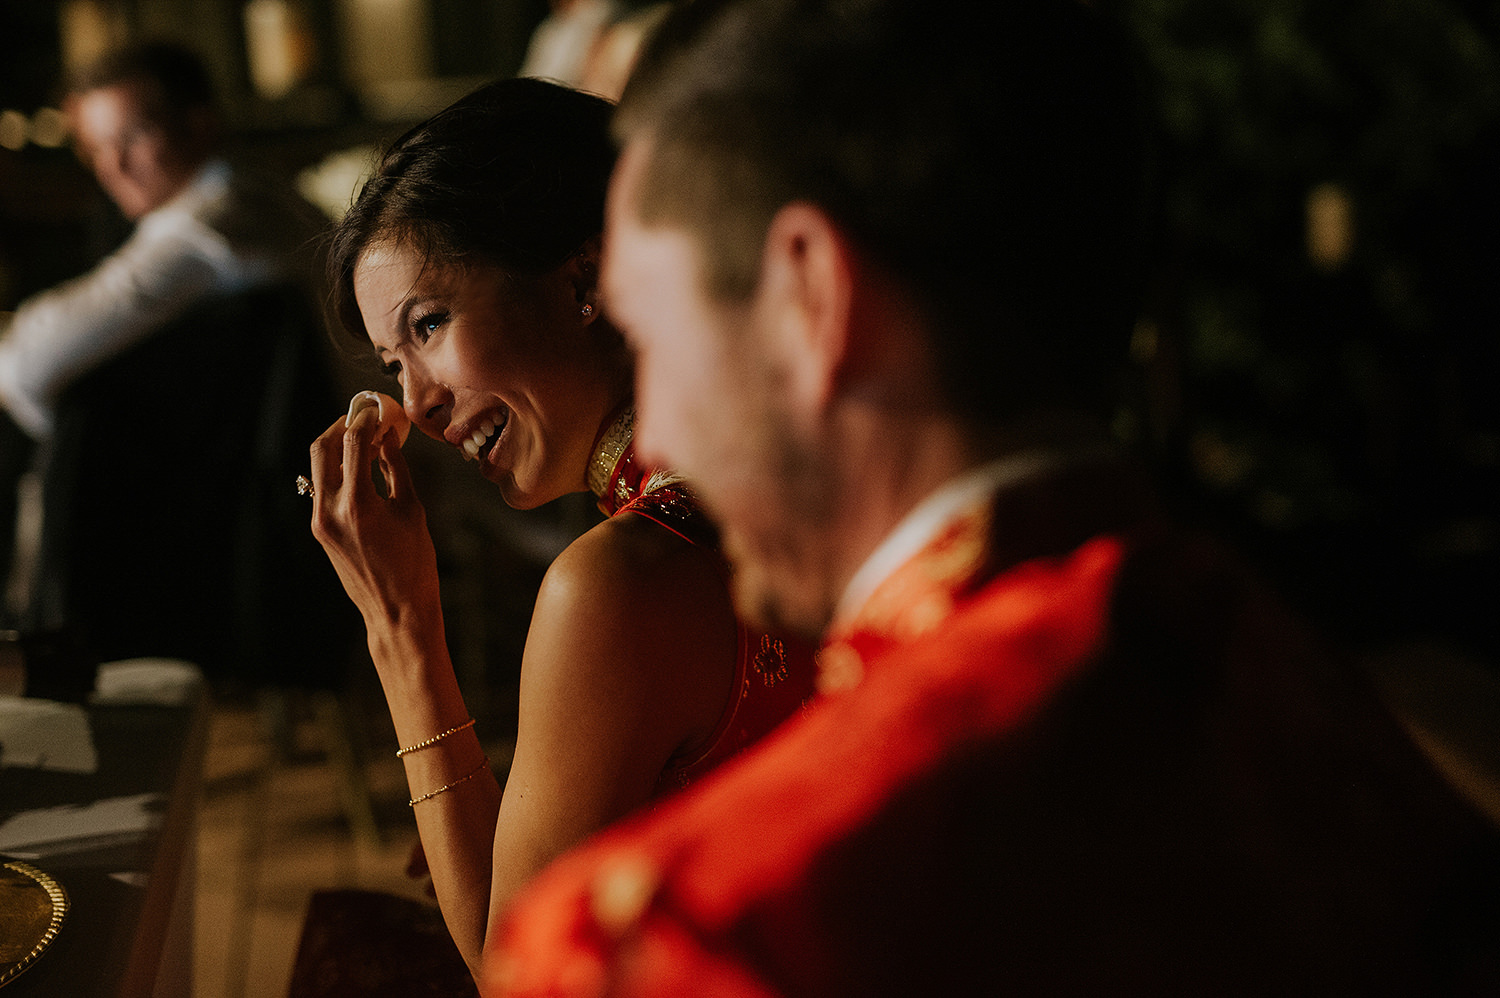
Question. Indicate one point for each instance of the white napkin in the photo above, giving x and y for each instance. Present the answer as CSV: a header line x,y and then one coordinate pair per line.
x,y
42,734
169,682
55,831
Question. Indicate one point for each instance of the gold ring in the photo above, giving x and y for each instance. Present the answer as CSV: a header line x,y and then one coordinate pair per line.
x,y
304,486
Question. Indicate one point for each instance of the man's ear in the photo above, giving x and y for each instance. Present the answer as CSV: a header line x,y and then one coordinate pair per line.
x,y
202,130
807,281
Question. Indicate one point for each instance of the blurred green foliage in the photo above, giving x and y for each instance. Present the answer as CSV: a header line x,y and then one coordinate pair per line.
x,y
1335,413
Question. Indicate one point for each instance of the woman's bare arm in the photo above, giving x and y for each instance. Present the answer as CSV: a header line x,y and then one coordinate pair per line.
x,y
385,558
628,660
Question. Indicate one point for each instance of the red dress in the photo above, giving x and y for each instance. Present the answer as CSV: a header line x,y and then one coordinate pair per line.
x,y
1078,753
773,676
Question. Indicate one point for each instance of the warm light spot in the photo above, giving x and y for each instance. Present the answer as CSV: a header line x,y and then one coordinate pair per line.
x,y
278,46
89,28
1330,226
13,129
49,127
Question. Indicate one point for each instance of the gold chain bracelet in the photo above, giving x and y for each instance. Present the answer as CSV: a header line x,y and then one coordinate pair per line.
x,y
462,779
435,738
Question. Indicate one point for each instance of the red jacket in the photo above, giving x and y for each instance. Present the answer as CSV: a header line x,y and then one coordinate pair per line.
x,y
1111,766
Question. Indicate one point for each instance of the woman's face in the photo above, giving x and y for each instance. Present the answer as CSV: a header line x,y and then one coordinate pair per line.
x,y
506,370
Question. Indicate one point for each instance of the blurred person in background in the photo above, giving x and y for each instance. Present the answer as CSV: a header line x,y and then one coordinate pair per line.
x,y
561,44
591,44
618,46
202,331
145,121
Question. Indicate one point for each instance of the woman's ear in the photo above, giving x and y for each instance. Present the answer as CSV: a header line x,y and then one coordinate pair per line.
x,y
583,272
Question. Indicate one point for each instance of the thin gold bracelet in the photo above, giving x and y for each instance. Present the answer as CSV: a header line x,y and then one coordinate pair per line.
x,y
462,779
434,739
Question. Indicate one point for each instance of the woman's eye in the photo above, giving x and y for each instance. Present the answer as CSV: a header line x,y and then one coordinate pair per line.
x,y
391,368
425,326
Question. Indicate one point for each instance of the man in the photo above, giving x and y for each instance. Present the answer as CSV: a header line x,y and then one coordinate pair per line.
x,y
145,122
877,270
199,335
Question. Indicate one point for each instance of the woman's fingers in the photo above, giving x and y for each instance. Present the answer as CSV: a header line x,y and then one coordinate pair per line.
x,y
394,469
393,418
359,451
327,454
379,547
367,434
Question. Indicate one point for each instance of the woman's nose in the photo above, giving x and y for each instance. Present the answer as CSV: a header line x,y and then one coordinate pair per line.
x,y
428,403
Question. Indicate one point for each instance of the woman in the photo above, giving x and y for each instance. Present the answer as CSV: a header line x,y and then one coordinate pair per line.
x,y
470,262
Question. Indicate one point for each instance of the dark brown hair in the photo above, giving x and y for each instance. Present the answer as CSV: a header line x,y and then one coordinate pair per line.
x,y
175,83
995,168
512,175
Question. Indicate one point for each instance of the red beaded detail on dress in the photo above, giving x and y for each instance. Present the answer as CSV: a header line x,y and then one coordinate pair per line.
x,y
773,676
631,486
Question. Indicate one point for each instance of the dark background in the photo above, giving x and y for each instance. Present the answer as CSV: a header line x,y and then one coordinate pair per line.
x,y
1340,420
1334,417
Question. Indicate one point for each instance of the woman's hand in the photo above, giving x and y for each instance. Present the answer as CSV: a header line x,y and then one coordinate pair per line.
x,y
379,544
376,536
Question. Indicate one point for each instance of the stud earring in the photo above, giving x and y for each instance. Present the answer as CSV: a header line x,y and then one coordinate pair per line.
x,y
587,311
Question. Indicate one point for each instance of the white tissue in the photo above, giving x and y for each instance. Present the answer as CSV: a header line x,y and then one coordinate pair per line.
x,y
392,416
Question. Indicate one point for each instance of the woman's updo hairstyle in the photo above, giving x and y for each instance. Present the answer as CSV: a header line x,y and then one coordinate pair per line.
x,y
512,175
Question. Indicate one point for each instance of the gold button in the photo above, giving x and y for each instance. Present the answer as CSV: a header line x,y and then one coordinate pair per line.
x,y
839,668
622,890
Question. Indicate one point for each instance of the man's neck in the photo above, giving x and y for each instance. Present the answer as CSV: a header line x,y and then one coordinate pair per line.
x,y
889,467
884,467
189,175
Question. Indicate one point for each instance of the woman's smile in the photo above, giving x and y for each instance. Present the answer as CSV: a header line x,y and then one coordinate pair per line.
x,y
486,434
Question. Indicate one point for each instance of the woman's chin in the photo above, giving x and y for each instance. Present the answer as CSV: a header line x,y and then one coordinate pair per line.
x,y
516,494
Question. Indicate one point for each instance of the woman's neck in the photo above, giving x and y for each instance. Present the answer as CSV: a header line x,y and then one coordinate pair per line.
x,y
611,450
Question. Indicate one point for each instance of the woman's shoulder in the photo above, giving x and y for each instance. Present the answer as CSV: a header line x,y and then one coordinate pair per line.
x,y
638,620
636,563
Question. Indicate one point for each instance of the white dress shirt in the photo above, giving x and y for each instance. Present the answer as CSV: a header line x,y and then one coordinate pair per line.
x,y
219,235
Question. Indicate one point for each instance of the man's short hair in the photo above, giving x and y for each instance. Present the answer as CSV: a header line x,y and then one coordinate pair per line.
x,y
174,81
988,155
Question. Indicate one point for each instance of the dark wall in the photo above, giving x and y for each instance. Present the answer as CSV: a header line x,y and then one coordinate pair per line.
x,y
1337,420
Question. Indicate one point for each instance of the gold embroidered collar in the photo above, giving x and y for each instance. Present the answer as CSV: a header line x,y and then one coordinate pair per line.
x,y
612,444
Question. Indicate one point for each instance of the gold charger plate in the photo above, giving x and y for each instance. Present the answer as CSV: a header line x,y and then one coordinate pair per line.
x,y
32,907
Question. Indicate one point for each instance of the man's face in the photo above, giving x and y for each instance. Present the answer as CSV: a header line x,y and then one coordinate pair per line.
x,y
710,406
133,157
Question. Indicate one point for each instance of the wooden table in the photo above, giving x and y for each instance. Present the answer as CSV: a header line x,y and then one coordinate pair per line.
x,y
128,930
